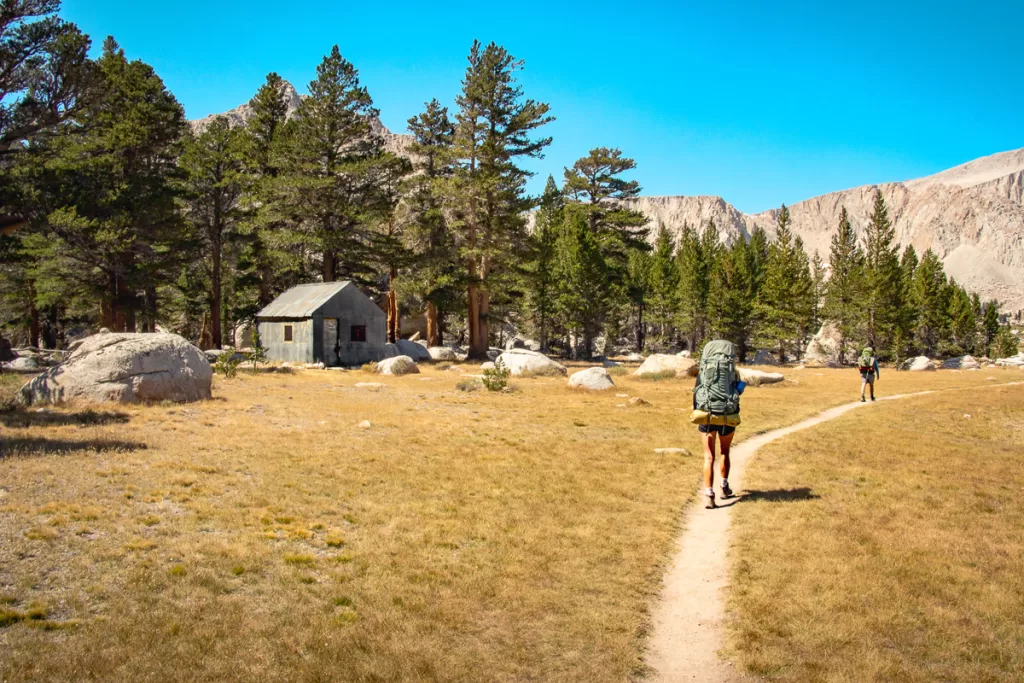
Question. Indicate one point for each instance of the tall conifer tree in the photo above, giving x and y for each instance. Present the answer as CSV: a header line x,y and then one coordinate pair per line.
x,y
844,292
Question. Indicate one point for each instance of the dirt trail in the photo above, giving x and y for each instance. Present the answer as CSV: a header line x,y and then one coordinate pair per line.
x,y
688,619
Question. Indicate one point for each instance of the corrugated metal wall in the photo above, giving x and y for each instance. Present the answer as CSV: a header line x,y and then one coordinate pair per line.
x,y
300,350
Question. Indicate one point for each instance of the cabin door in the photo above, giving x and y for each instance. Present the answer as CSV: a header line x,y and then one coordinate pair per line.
x,y
331,341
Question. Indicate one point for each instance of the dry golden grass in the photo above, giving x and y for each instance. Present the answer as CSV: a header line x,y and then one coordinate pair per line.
x,y
265,535
887,545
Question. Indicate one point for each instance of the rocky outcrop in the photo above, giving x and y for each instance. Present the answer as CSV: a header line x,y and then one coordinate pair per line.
x,y
399,365
126,368
919,364
443,353
961,363
659,363
591,379
413,350
823,349
526,363
763,357
756,378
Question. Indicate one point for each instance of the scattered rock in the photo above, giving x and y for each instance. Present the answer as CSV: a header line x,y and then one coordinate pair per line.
x,y
591,379
1011,362
443,353
918,364
756,378
663,362
672,451
126,368
489,365
365,424
413,351
621,395
961,363
23,364
637,401
493,354
370,385
685,353
522,362
763,357
609,363
824,347
399,365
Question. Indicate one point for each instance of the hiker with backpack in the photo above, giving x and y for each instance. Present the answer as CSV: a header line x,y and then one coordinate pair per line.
x,y
716,410
867,364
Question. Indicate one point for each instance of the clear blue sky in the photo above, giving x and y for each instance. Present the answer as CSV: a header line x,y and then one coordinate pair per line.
x,y
760,103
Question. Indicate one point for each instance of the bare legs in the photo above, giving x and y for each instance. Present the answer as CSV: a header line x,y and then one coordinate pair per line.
x,y
709,457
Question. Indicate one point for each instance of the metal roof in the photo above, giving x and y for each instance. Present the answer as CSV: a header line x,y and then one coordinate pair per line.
x,y
302,301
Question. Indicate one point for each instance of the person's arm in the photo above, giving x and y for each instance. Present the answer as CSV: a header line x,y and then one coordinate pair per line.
x,y
877,373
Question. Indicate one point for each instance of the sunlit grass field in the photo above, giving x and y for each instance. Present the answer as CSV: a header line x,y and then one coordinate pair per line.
x,y
265,535
889,546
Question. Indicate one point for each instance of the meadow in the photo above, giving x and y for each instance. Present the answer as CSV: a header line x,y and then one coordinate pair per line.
x,y
461,536
890,547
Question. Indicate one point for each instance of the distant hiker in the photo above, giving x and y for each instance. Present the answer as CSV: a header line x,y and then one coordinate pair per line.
x,y
868,366
716,409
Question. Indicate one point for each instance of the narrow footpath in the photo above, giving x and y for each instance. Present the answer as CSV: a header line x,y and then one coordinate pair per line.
x,y
688,620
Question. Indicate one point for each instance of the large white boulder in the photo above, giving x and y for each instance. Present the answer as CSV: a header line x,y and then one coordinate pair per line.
x,y
522,362
961,363
126,368
663,362
756,378
23,364
399,365
592,379
1011,362
443,353
823,349
918,364
763,357
413,350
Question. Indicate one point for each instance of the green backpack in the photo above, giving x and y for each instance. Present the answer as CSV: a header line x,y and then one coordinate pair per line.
x,y
715,391
866,362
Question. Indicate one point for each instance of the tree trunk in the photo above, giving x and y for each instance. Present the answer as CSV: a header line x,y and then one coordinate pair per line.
x,y
216,338
33,323
394,323
477,323
330,259
433,325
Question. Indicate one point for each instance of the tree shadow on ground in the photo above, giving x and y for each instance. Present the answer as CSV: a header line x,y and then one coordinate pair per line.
x,y
779,495
22,418
20,447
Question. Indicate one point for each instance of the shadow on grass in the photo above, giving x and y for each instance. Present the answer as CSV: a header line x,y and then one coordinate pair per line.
x,y
779,495
19,447
30,418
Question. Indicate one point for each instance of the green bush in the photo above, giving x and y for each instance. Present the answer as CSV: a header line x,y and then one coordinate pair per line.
x,y
227,364
496,378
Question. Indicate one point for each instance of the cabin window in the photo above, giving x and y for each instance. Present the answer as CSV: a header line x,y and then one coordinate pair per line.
x,y
359,333
288,334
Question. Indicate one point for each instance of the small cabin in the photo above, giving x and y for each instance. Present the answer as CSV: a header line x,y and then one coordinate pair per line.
x,y
324,322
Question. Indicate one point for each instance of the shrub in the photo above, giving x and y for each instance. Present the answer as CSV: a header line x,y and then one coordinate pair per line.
x,y
445,365
618,370
469,385
258,354
227,364
370,367
496,378
658,376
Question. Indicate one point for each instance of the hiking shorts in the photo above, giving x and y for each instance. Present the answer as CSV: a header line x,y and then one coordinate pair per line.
x,y
721,430
867,378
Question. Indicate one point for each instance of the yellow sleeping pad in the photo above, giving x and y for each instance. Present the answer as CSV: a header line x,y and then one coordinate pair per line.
x,y
700,417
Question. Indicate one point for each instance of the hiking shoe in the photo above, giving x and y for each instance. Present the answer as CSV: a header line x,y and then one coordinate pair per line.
x,y
710,504
726,491
872,398
863,400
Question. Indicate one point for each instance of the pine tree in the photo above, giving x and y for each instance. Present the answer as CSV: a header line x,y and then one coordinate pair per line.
x,y
731,309
594,182
268,261
638,292
931,291
783,305
884,284
541,285
113,232
435,275
338,179
963,323
1006,343
989,324
663,283
695,268
581,273
212,187
844,292
494,129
